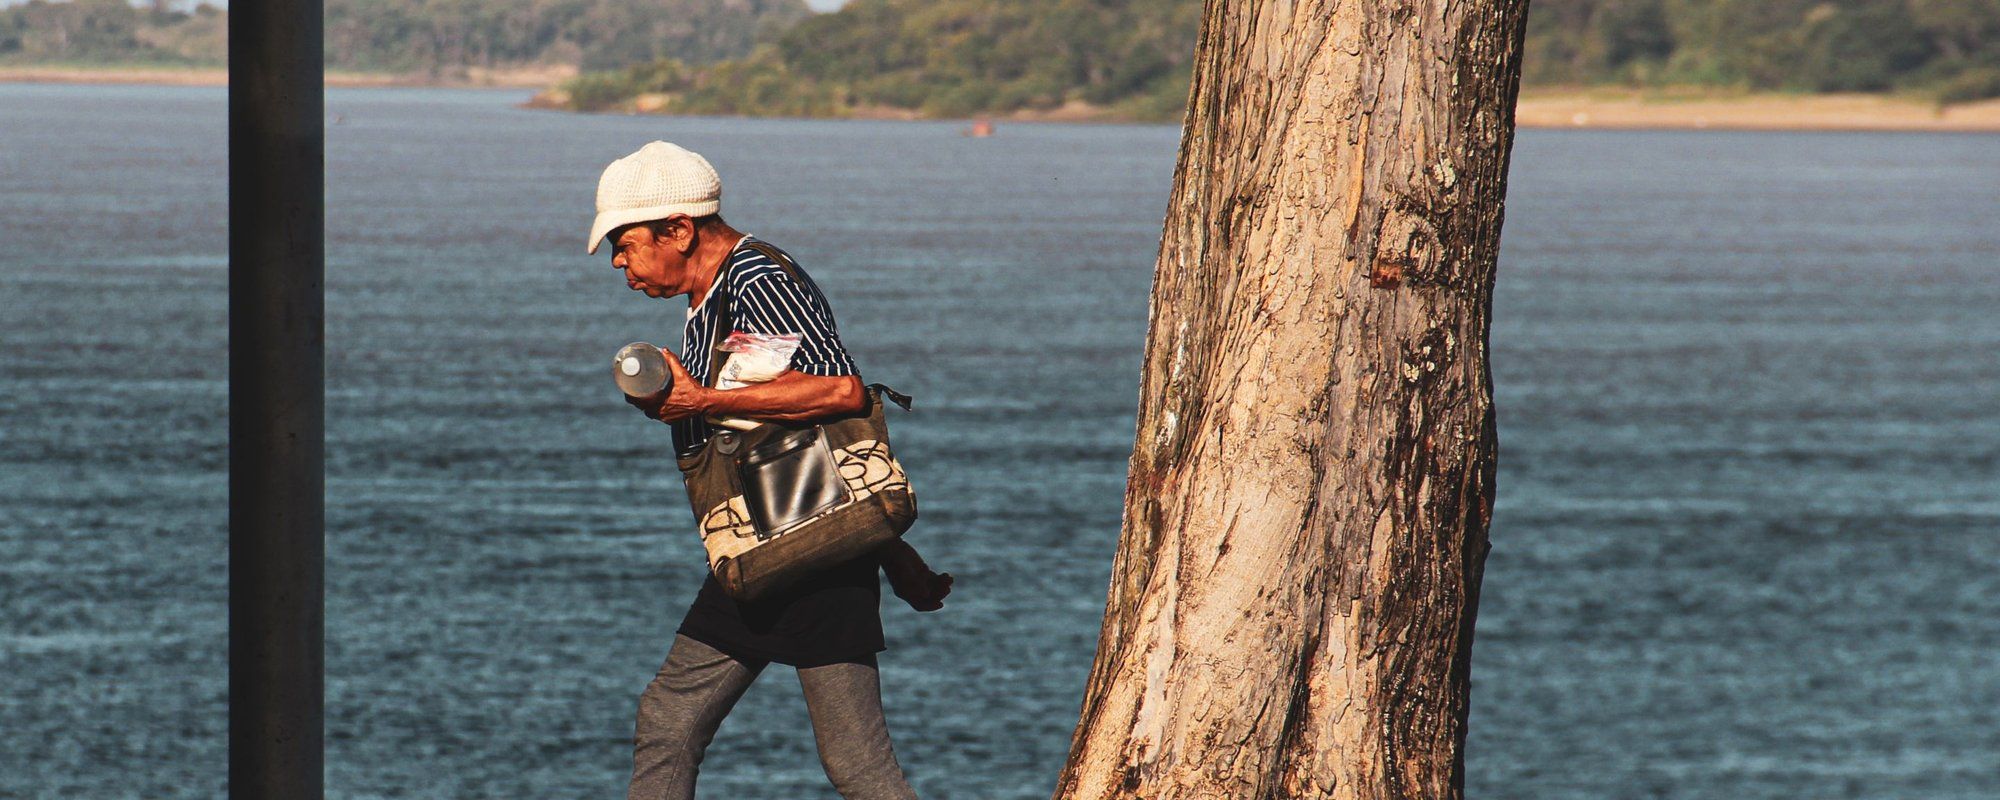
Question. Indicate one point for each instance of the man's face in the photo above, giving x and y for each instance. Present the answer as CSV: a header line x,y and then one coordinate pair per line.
x,y
656,265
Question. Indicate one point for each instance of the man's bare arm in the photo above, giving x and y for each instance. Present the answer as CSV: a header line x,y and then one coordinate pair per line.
x,y
790,397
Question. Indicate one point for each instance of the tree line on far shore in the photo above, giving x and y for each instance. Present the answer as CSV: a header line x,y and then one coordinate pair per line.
x,y
1949,49
941,58
950,58
1130,58
434,38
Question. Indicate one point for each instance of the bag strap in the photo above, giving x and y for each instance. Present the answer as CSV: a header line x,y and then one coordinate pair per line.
x,y
780,257
719,293
724,322
900,399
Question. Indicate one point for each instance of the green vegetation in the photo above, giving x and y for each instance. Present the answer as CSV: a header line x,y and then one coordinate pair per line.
x,y
435,37
1937,46
951,58
948,58
940,58
112,32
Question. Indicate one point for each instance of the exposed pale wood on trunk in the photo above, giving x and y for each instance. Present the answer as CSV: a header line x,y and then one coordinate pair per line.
x,y
1291,610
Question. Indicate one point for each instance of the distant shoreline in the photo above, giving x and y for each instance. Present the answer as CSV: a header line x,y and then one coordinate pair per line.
x,y
1584,109
1765,111
525,78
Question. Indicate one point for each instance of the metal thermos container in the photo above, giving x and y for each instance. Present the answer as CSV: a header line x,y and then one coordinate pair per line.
x,y
641,370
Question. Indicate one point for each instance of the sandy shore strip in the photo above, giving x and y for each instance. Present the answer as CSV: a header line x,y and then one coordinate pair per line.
x,y
1583,109
1683,109
1777,112
526,78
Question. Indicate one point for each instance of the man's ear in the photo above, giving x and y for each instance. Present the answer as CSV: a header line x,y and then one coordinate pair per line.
x,y
680,234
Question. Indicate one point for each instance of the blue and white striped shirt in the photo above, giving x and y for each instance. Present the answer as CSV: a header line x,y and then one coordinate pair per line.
x,y
763,298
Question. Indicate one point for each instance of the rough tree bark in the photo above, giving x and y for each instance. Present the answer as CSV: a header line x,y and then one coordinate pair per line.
x,y
1291,609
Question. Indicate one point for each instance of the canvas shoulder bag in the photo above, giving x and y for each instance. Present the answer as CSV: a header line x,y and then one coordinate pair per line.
x,y
782,500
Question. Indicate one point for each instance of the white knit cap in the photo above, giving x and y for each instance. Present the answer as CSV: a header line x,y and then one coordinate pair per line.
x,y
661,179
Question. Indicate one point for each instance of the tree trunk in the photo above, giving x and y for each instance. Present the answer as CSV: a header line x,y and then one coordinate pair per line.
x,y
1291,609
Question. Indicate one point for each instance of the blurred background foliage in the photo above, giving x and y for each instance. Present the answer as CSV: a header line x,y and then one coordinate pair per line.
x,y
440,38
1946,46
953,58
950,58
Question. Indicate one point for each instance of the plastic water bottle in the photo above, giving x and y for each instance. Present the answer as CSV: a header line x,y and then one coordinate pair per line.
x,y
641,371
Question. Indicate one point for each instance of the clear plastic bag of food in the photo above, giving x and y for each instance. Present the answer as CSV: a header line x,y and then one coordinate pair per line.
x,y
755,358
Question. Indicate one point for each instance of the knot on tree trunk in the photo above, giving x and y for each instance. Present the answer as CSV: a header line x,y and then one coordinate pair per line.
x,y
1406,248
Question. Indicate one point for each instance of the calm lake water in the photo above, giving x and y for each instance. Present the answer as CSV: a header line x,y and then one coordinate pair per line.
x,y
1747,542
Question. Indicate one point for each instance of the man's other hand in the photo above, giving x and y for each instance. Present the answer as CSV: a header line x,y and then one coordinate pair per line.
x,y
924,591
912,579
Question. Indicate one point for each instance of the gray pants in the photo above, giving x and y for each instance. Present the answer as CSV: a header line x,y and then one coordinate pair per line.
x,y
684,705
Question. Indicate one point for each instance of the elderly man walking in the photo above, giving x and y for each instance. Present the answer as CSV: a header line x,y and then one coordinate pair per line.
x,y
660,210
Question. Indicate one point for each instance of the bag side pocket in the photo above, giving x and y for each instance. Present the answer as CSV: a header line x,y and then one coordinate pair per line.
x,y
789,479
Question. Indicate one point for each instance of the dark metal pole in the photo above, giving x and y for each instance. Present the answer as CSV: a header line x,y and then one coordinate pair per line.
x,y
277,405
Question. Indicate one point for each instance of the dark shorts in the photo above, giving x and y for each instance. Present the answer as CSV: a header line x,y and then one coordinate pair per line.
x,y
830,617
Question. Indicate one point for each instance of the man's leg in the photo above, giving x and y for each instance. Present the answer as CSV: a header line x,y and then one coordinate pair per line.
x,y
678,715
845,701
